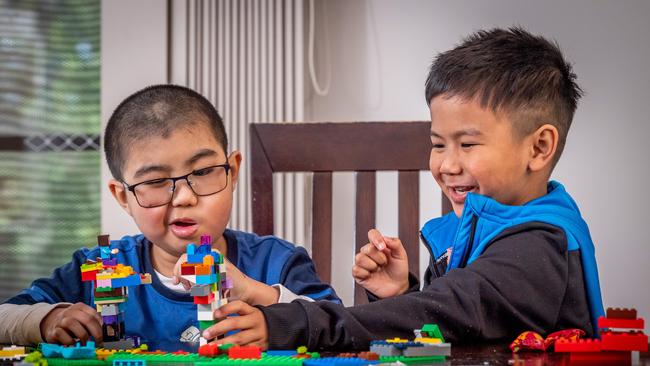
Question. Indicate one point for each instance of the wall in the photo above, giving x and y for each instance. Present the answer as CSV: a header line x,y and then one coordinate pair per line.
x,y
134,55
379,52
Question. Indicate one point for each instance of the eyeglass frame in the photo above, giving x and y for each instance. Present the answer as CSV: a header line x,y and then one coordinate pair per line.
x,y
132,188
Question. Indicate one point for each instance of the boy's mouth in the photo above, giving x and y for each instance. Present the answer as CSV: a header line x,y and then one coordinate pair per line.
x,y
183,227
458,193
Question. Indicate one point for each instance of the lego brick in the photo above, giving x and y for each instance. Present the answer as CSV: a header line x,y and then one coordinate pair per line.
x,y
204,299
187,269
206,239
281,353
79,351
89,275
204,249
621,313
209,350
620,323
109,309
431,331
190,249
601,358
204,269
205,279
120,345
110,319
195,258
205,324
244,352
104,283
200,290
112,292
103,240
131,280
580,345
129,363
624,341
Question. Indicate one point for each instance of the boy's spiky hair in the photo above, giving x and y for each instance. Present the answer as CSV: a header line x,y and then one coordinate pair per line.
x,y
157,110
513,71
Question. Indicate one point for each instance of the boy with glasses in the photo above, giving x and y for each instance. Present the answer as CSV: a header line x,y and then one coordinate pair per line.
x,y
166,147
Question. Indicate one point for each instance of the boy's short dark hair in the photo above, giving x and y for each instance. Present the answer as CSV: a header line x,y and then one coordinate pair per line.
x,y
157,110
512,71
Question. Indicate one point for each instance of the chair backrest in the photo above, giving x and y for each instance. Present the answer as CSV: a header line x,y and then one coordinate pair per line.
x,y
323,148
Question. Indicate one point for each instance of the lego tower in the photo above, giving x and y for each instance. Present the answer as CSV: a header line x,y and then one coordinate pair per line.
x,y
206,270
110,283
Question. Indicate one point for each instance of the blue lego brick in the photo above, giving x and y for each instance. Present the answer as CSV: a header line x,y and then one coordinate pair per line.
x,y
206,279
204,249
337,361
78,351
191,249
281,353
129,363
195,258
132,280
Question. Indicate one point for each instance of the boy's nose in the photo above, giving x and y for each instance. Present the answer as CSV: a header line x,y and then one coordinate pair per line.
x,y
183,194
450,164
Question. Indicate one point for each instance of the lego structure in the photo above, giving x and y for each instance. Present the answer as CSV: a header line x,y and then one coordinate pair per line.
x,y
110,291
621,333
206,271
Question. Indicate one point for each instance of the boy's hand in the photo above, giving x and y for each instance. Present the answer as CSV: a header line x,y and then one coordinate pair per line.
x,y
250,323
244,288
67,325
381,266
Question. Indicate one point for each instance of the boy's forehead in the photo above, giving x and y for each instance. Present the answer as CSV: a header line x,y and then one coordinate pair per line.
x,y
455,113
181,149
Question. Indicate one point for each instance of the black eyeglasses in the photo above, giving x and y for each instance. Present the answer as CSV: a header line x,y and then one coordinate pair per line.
x,y
159,192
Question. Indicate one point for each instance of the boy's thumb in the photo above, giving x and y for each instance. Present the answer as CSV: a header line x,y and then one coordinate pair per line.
x,y
395,245
377,239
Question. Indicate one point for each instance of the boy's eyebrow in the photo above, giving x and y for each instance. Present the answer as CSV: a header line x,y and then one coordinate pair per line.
x,y
151,168
200,154
460,133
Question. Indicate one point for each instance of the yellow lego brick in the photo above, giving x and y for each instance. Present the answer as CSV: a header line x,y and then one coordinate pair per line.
x,y
428,340
397,340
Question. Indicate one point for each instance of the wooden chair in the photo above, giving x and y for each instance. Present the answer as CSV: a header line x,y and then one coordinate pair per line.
x,y
323,148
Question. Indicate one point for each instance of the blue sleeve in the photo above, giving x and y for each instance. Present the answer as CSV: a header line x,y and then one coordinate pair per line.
x,y
299,276
64,285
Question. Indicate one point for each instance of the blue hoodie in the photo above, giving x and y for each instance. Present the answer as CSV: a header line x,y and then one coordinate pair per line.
x,y
484,218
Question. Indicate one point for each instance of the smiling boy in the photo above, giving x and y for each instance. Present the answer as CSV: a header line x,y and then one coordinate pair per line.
x,y
521,257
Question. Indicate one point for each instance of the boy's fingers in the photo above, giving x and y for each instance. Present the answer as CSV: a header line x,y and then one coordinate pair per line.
x,y
365,262
376,239
359,273
60,335
91,312
396,247
74,327
235,307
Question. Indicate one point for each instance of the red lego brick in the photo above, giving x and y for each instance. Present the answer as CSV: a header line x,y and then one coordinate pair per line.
x,y
580,345
209,350
187,269
624,341
602,358
621,313
89,275
247,352
204,299
620,323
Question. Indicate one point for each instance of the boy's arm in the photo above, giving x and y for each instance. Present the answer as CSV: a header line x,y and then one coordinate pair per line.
x,y
25,311
21,323
517,284
299,276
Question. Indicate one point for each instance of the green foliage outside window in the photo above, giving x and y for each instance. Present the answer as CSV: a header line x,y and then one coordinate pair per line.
x,y
50,86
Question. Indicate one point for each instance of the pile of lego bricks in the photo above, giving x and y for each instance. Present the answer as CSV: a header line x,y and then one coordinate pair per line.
x,y
621,333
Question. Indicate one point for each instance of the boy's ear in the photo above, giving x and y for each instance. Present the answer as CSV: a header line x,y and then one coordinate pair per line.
x,y
543,147
235,162
119,192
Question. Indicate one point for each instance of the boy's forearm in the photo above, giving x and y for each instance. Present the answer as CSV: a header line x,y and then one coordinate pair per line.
x,y
21,323
262,294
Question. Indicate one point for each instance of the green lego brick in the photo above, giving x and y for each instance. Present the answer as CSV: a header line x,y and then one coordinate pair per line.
x,y
205,324
77,362
433,330
426,360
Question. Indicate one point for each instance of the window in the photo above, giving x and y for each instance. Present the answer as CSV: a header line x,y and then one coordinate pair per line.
x,y
49,135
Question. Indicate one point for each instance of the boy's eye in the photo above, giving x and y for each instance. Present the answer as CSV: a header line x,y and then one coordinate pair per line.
x,y
467,145
438,146
155,182
202,172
